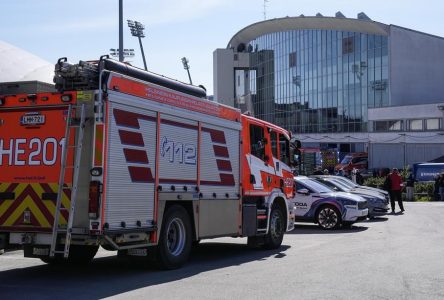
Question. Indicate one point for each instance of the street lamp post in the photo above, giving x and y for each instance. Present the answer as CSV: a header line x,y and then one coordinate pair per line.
x,y
121,29
137,30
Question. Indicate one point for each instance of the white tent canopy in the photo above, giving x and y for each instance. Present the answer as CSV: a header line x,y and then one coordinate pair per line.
x,y
19,65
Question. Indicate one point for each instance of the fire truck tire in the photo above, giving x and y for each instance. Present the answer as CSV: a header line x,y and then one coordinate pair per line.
x,y
78,254
108,247
175,239
273,239
52,261
81,254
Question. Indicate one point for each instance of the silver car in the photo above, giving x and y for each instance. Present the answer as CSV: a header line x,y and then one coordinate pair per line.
x,y
352,184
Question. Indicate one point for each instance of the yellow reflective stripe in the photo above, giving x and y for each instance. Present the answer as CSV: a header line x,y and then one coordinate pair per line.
x,y
7,203
3,187
27,203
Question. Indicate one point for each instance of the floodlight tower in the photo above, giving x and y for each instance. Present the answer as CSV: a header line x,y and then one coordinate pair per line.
x,y
186,66
137,30
126,53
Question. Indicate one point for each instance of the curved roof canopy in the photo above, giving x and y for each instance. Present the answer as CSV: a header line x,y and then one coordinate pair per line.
x,y
255,30
19,65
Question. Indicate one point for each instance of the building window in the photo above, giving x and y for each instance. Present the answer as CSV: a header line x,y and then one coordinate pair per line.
x,y
347,45
292,59
391,125
415,125
433,124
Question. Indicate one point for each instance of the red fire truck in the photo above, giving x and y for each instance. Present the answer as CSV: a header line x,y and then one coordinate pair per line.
x,y
139,163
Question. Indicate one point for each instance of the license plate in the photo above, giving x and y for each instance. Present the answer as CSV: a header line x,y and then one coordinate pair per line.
x,y
32,119
40,251
137,252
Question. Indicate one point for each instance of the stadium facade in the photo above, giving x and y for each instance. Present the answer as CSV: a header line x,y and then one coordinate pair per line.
x,y
340,83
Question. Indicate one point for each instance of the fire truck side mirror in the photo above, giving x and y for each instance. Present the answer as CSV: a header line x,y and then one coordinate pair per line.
x,y
297,144
296,153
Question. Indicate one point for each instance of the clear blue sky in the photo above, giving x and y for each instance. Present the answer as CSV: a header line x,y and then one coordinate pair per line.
x,y
85,30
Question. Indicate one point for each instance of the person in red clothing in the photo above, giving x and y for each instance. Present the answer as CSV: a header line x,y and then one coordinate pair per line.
x,y
395,189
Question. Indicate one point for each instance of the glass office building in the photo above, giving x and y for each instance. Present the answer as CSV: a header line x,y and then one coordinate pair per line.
x,y
318,80
338,83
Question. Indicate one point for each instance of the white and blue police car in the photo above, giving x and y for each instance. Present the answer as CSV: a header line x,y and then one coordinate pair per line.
x,y
317,203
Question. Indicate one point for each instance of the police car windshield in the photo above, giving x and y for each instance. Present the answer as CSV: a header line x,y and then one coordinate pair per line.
x,y
315,186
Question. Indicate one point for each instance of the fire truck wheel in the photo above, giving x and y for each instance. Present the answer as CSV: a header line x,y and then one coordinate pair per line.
x,y
273,239
52,261
82,254
78,254
175,238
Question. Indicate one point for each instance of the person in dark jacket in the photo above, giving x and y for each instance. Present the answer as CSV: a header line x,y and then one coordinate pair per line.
x,y
387,184
359,178
318,171
395,189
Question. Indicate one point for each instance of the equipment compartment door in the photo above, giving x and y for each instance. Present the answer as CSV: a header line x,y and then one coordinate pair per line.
x,y
219,212
178,153
130,167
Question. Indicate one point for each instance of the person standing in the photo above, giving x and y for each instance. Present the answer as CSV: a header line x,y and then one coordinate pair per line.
x,y
318,171
410,186
359,178
387,184
353,175
395,189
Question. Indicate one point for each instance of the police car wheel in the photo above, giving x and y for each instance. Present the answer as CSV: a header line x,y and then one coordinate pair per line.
x,y
328,217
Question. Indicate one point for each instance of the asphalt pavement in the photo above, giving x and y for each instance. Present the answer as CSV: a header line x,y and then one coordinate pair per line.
x,y
400,256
